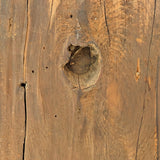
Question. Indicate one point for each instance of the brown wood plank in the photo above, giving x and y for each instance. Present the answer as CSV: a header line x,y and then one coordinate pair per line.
x,y
12,37
117,116
111,111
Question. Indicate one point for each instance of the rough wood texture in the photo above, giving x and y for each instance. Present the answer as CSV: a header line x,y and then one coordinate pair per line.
x,y
43,116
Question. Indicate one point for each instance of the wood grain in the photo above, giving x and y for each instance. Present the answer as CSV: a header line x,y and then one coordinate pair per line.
x,y
12,26
117,118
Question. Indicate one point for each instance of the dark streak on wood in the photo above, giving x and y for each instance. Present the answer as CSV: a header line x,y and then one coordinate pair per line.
x,y
106,21
25,125
150,44
10,24
139,130
157,125
100,2
151,39
79,94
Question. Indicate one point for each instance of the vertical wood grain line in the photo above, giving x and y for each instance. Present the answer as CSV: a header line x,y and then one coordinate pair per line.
x,y
151,39
157,109
149,52
106,21
26,42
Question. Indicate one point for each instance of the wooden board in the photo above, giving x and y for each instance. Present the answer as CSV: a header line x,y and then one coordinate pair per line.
x,y
110,112
12,37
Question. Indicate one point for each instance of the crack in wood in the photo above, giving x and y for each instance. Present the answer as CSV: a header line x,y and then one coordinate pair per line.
x,y
150,44
24,85
106,21
139,130
157,119
151,39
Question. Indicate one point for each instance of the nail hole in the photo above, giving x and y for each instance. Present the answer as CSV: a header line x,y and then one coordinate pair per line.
x,y
71,16
23,84
32,71
46,67
55,116
44,47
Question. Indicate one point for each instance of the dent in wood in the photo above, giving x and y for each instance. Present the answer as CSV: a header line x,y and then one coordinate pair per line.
x,y
10,24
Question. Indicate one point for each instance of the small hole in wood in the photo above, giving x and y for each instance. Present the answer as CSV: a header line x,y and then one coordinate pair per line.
x,y
23,84
55,116
46,67
44,47
71,16
32,71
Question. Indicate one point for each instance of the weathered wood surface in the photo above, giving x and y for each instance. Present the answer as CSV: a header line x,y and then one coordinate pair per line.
x,y
43,116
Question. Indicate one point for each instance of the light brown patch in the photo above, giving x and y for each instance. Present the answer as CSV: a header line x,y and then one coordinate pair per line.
x,y
138,70
113,98
139,40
